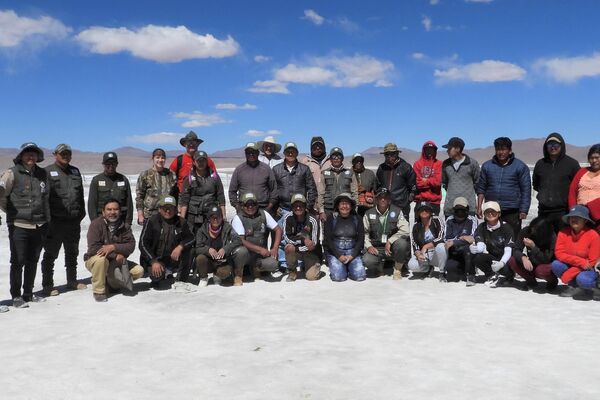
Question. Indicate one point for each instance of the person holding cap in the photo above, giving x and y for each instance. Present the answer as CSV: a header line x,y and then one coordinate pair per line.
x,y
254,177
460,174
201,190
335,180
110,185
67,209
345,236
577,254
459,235
318,160
293,177
551,178
219,250
428,171
492,248
24,197
398,177
387,235
165,243
585,187
301,239
270,149
367,184
427,241
183,163
254,225
152,185
506,180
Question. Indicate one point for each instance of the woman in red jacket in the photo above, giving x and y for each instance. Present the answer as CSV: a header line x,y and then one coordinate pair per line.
x,y
585,187
577,253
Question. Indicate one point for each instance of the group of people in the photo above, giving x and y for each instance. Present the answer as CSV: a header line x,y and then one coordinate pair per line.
x,y
295,215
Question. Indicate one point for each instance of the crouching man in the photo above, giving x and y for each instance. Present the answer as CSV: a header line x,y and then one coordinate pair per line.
x,y
219,250
300,240
387,236
165,243
110,242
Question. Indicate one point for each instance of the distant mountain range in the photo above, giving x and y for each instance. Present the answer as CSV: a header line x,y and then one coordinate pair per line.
x,y
133,160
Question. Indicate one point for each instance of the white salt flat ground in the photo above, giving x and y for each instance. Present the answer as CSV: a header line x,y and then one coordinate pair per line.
x,y
379,339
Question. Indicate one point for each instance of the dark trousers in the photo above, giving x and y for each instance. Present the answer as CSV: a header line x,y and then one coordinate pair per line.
x,y
65,233
511,217
25,248
170,266
459,263
484,263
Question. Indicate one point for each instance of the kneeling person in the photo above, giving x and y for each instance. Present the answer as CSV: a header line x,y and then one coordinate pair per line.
x,y
300,240
110,242
386,235
165,243
254,227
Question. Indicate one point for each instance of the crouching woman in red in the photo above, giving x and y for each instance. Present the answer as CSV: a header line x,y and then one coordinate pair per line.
x,y
577,252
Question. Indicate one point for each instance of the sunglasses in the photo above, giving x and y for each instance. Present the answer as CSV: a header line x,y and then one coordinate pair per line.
x,y
553,145
250,204
336,157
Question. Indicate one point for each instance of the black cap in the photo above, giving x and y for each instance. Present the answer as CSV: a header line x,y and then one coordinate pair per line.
x,y
317,139
423,204
382,191
109,156
455,142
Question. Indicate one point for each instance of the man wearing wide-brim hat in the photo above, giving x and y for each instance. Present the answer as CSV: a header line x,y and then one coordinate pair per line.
x,y
24,196
269,149
183,163
398,177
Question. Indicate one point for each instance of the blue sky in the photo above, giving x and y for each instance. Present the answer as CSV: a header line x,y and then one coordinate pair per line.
x,y
105,74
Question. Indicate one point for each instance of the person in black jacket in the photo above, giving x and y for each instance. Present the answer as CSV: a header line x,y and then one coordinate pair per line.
x,y
165,243
110,185
397,176
552,176
460,234
427,241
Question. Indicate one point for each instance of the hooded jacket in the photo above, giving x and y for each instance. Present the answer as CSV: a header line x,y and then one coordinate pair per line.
x,y
399,180
551,179
509,184
428,176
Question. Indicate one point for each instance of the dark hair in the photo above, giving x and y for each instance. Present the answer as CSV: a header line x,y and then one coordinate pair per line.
x,y
541,231
595,149
158,151
111,200
503,141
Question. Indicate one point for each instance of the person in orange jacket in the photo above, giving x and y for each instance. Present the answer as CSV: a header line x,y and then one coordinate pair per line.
x,y
429,177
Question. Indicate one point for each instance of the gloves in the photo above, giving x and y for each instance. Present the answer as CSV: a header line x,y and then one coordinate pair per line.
x,y
497,265
477,248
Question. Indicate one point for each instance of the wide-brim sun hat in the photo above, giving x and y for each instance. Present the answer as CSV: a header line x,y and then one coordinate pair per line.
x,y
190,137
580,211
343,196
270,140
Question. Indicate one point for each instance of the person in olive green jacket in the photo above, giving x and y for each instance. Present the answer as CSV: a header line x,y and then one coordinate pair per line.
x,y
110,185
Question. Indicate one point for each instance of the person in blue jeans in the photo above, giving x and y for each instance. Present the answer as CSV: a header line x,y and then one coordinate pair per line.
x,y
345,236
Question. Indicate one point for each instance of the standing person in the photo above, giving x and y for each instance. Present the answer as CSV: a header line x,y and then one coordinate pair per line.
x,y
335,180
24,196
552,176
387,235
428,171
460,234
398,177
254,177
110,241
152,185
301,239
345,235
318,160
67,209
165,243
254,225
201,190
585,187
460,174
492,248
183,163
505,180
533,253
428,242
367,184
110,185
270,149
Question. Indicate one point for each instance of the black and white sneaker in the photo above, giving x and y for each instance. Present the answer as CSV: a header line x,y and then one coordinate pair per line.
x,y
18,302
33,299
493,281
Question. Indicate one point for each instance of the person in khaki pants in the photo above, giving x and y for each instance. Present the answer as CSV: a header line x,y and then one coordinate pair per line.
x,y
110,242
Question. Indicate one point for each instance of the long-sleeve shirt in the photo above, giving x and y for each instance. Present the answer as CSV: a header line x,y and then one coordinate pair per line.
x,y
257,179
578,250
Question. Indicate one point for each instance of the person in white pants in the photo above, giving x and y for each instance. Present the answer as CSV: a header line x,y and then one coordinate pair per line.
x,y
427,242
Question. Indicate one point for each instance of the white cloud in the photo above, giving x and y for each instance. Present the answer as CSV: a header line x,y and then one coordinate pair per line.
x,y
418,56
434,2
346,25
270,86
257,133
426,21
164,44
260,58
155,138
14,29
313,17
231,106
569,69
484,71
198,119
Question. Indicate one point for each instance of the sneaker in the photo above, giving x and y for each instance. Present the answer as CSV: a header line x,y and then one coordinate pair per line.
x,y
493,281
203,282
216,280
33,299
18,302
50,291
442,278
74,285
100,297
568,291
583,294
292,276
3,308
237,281
470,280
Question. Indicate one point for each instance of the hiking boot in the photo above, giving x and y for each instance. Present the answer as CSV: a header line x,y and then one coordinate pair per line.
x,y
18,302
470,280
3,308
203,282
74,285
50,291
237,281
568,291
583,294
33,298
100,297
493,281
397,275
292,276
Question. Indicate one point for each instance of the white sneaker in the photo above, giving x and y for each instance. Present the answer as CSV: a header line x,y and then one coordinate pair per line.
x,y
493,281
183,287
203,282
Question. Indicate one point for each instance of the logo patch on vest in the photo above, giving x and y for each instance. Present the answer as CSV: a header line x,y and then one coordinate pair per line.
x,y
53,173
327,172
43,187
392,214
101,183
372,216
121,183
347,172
